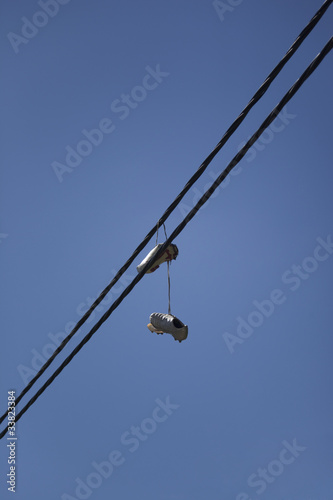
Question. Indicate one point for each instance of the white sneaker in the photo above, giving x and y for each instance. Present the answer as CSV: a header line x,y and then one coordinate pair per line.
x,y
167,323
170,253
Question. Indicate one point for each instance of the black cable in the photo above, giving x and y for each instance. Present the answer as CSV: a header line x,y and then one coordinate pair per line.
x,y
291,92
257,96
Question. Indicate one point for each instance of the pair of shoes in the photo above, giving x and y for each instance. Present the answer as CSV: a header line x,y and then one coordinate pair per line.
x,y
164,323
170,253
167,323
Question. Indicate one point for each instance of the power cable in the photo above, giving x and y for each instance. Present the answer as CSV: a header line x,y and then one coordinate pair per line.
x,y
291,92
257,96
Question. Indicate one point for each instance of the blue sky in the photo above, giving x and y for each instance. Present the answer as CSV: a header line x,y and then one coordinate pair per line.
x,y
241,410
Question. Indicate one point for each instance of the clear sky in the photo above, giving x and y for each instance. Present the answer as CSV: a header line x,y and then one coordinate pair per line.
x,y
107,109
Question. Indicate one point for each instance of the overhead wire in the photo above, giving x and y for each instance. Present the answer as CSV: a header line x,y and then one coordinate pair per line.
x,y
269,119
233,127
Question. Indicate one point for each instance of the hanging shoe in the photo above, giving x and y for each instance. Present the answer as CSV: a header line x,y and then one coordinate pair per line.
x,y
167,323
170,253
